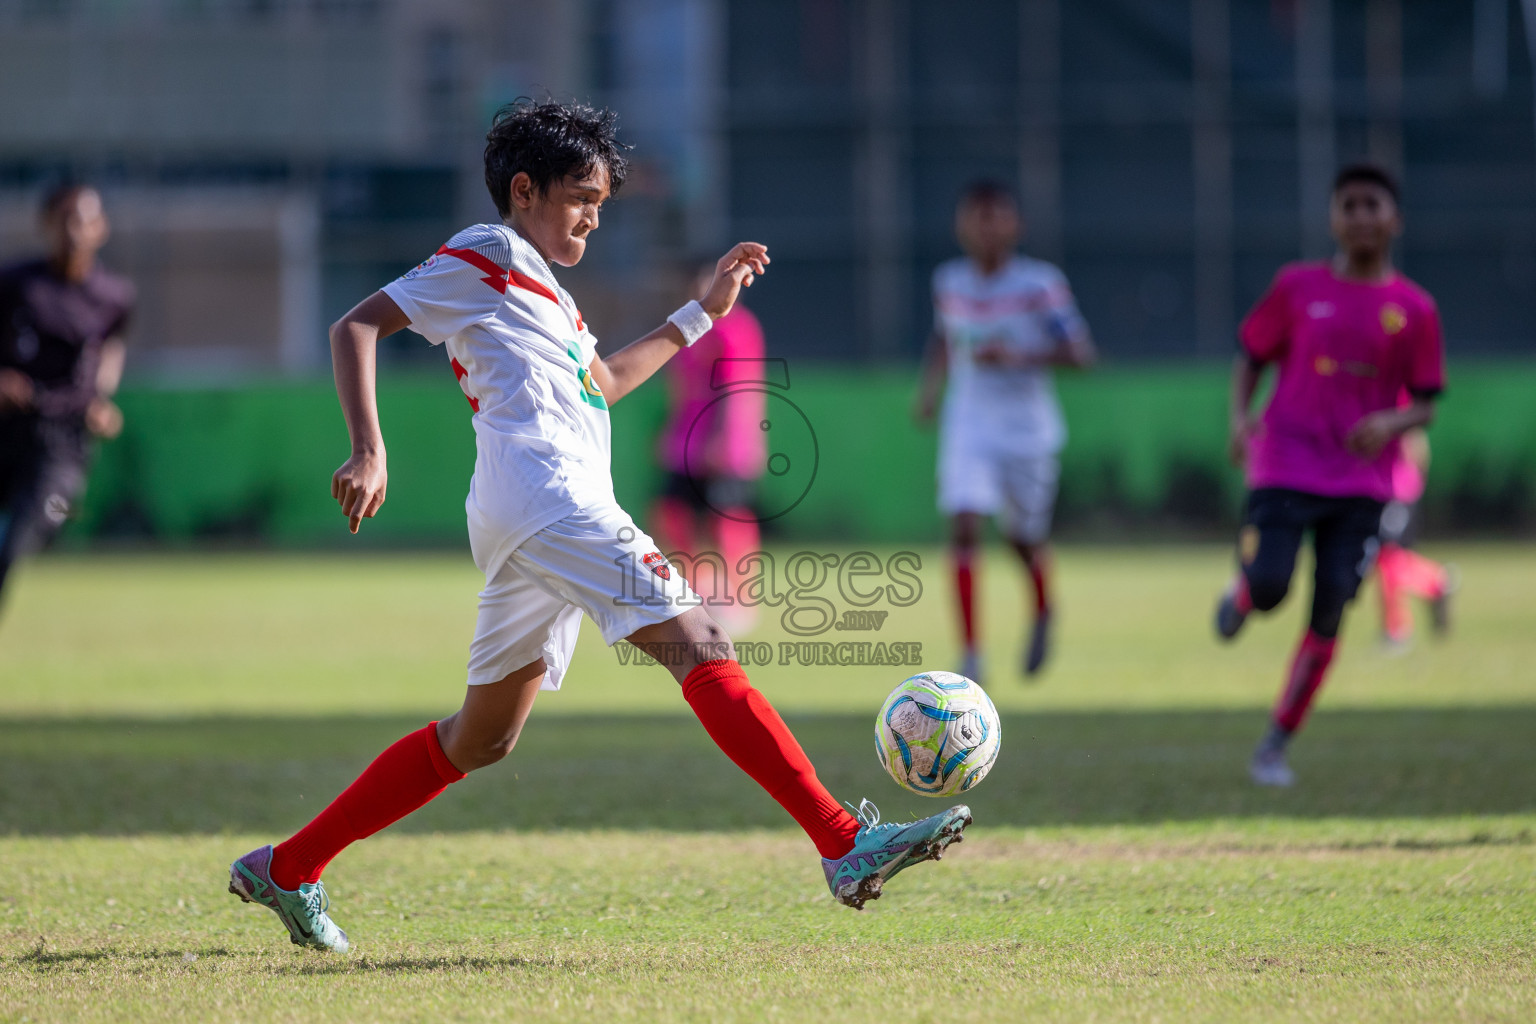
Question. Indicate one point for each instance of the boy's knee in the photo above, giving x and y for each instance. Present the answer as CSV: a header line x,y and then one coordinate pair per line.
x,y
710,642
1267,589
469,753
686,642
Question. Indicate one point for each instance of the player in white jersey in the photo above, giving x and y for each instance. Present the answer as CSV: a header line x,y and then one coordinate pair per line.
x,y
543,523
1001,322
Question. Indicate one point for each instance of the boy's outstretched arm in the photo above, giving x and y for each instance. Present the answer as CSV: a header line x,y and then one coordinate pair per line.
x,y
629,367
358,486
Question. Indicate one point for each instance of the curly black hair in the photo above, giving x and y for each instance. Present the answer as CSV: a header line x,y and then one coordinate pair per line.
x,y
988,191
1370,174
58,194
548,141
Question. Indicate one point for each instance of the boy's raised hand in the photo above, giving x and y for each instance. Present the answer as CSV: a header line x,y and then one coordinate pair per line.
x,y
735,271
358,486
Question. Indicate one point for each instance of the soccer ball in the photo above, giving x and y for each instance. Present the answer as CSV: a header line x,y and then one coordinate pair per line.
x,y
937,734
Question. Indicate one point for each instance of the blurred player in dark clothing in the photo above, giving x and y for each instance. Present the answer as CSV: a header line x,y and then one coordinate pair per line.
x,y
61,356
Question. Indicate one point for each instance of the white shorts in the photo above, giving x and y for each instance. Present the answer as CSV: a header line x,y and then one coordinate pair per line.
x,y
1019,489
595,561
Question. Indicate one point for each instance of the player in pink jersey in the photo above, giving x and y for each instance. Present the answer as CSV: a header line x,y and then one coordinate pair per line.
x,y
1348,337
713,449
1401,572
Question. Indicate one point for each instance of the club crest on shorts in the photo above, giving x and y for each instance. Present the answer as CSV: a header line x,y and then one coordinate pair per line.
x,y
657,564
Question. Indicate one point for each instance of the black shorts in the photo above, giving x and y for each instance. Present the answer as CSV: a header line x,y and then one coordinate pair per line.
x,y
1282,508
1344,539
718,493
40,486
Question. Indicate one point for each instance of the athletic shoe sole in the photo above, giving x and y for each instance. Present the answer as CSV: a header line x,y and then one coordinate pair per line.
x,y
856,894
1229,621
237,887
236,890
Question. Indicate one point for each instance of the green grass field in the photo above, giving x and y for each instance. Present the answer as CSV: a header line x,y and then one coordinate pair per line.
x,y
161,715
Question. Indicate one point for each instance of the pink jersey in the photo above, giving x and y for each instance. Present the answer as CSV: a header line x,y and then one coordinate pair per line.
x,y
1345,349
726,425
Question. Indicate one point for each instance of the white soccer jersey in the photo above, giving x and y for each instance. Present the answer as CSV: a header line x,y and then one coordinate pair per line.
x,y
521,353
1025,306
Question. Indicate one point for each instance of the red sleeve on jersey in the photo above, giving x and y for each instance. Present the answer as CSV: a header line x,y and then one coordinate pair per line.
x,y
1266,330
1426,359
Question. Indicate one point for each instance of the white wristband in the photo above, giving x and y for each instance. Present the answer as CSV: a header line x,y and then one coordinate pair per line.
x,y
692,321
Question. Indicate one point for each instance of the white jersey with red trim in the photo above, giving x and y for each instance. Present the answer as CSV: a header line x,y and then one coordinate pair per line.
x,y
1024,307
518,346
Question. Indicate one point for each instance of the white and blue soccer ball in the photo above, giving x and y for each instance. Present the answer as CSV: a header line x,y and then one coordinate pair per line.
x,y
937,734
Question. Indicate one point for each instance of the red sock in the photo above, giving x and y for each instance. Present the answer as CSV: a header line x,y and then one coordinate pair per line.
x,y
403,778
965,591
1040,576
1240,596
1308,667
744,725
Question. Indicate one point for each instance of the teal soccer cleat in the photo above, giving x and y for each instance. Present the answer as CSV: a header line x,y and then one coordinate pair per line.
x,y
302,911
880,851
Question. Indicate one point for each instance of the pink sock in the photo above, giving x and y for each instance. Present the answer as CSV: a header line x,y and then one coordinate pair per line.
x,y
1240,596
672,526
1308,667
1422,577
737,534
1396,619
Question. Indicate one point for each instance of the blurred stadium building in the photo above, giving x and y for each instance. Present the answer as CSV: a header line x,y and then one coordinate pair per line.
x,y
266,162
1171,154
269,162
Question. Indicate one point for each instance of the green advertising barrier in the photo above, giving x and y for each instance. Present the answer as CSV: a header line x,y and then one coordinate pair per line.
x,y
1146,455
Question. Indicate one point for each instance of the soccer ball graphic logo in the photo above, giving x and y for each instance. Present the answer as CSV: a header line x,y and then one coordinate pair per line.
x,y
937,734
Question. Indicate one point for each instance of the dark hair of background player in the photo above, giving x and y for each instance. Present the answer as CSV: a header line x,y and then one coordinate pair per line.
x,y
61,193
1369,174
548,141
987,191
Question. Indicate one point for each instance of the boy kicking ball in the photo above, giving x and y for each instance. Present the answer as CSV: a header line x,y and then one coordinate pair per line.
x,y
543,523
